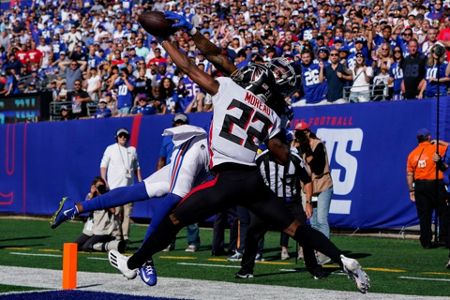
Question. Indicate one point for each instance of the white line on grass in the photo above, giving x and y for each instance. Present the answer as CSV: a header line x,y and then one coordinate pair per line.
x,y
35,254
97,258
424,278
208,265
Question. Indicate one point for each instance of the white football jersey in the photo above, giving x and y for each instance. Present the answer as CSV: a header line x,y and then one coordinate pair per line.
x,y
241,122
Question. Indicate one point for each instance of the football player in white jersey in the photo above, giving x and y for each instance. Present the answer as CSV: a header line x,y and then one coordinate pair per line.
x,y
242,120
188,167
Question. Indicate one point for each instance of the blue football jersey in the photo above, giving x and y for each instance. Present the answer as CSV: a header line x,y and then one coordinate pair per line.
x,y
314,90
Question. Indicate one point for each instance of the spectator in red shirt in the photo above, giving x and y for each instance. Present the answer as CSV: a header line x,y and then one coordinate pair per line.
x,y
22,55
34,55
444,35
158,59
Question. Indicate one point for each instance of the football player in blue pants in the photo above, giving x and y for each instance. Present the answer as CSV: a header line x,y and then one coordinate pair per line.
x,y
165,188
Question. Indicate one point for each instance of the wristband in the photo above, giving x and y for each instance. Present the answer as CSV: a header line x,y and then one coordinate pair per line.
x,y
193,31
411,190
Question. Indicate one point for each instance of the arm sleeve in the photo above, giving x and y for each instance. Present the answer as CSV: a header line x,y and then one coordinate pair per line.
x,y
300,168
105,159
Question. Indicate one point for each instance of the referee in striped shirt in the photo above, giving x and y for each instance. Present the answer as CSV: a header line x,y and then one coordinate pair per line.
x,y
284,181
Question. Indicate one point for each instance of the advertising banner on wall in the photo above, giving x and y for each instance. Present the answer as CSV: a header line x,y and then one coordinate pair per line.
x,y
367,144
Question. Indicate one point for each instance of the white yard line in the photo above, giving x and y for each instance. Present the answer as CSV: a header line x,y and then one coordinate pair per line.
x,y
424,278
208,265
182,288
35,254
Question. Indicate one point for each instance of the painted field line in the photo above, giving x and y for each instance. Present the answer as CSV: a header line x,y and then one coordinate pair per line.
x,y
436,273
424,278
178,257
17,248
274,263
338,272
217,259
208,265
49,250
386,270
35,254
97,258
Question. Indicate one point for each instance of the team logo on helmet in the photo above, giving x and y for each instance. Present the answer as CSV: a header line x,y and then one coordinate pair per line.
x,y
286,77
256,78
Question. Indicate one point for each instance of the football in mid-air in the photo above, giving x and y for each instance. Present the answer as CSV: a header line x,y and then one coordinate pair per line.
x,y
155,23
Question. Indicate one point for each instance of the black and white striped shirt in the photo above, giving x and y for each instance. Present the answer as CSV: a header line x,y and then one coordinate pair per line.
x,y
284,180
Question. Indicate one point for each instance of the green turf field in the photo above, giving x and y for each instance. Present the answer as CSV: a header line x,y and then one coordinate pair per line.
x,y
394,265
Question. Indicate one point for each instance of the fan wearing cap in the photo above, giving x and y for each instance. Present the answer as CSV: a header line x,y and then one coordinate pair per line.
x,y
65,114
314,153
118,167
102,110
421,180
143,106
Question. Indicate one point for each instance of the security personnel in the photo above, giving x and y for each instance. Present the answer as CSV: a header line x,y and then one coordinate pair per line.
x,y
421,179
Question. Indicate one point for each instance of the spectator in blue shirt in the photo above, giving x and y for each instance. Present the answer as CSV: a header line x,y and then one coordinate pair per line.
x,y
102,110
125,86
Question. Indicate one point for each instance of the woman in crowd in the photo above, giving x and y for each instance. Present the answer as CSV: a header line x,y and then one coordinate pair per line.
x,y
166,96
396,75
437,75
362,75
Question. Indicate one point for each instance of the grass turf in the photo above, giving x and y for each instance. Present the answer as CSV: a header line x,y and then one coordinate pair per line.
x,y
14,288
386,260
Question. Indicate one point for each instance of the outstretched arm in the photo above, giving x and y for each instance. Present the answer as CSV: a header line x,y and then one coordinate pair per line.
x,y
206,47
213,54
200,77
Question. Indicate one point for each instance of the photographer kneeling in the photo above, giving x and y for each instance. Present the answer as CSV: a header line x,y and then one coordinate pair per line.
x,y
98,229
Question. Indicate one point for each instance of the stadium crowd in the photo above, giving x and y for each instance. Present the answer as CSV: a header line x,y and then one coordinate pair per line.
x,y
95,52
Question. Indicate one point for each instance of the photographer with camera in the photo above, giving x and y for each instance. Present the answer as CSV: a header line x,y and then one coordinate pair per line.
x,y
98,228
314,153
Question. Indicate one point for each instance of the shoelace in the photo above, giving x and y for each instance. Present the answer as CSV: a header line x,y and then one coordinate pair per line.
x,y
149,269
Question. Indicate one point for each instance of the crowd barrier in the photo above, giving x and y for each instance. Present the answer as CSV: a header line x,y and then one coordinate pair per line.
x,y
367,143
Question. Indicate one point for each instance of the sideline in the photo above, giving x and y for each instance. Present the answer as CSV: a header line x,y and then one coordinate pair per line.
x,y
182,288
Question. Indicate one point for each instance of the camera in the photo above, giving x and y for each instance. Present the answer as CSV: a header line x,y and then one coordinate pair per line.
x,y
101,189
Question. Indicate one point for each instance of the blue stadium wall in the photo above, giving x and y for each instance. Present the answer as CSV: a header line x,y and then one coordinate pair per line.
x,y
367,144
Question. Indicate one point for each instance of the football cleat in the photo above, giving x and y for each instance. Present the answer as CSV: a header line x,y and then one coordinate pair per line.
x,y
148,273
237,256
67,210
354,271
243,275
119,262
284,254
259,257
317,272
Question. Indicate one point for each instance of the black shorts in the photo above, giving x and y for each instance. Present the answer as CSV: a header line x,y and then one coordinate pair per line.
x,y
233,185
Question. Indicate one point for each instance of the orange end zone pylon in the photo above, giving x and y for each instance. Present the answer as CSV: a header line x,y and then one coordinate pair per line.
x,y
70,257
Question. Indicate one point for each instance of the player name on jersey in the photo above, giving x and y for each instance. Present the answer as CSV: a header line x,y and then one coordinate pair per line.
x,y
254,101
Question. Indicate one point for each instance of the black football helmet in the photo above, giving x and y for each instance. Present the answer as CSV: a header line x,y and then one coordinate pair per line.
x,y
256,78
287,79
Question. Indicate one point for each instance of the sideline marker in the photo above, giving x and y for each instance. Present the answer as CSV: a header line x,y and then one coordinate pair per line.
x,y
69,280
